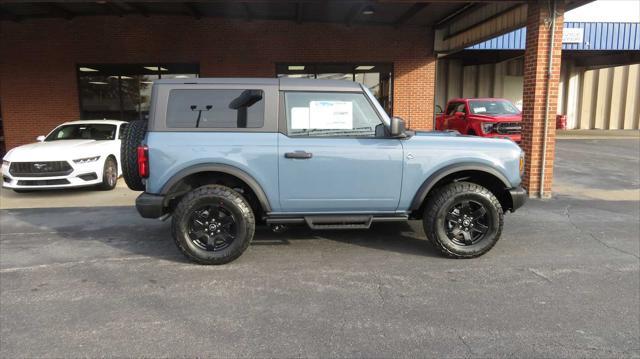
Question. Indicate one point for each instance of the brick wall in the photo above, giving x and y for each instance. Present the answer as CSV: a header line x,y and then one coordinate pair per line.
x,y
38,85
536,78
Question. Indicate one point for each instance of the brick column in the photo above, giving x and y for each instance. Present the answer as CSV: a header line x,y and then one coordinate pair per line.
x,y
537,80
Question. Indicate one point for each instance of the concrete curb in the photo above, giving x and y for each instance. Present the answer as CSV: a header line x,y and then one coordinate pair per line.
x,y
597,134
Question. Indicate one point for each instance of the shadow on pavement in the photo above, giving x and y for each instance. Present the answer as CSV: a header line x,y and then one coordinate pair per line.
x,y
121,229
402,237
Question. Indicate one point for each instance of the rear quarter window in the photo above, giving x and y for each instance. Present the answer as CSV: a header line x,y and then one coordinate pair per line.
x,y
215,109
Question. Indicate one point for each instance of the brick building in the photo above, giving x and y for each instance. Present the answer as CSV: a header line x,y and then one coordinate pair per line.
x,y
92,59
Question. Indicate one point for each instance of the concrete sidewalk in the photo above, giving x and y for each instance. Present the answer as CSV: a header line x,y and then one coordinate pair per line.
x,y
597,134
76,197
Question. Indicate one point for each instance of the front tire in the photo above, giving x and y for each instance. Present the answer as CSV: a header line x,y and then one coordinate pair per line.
x,y
463,220
213,224
109,174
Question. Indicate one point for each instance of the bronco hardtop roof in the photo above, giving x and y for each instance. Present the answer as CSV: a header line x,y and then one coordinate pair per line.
x,y
291,84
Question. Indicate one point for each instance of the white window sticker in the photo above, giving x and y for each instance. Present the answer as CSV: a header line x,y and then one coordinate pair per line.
x,y
331,115
480,110
300,118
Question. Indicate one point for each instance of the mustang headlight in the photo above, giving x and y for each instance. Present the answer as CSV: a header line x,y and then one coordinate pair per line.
x,y
81,161
6,163
487,127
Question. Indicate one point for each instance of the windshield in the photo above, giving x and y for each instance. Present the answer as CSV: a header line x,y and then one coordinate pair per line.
x,y
488,107
85,131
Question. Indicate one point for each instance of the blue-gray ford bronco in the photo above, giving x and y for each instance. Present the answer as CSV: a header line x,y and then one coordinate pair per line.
x,y
221,155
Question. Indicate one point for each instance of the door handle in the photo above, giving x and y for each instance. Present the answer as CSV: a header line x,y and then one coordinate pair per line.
x,y
302,155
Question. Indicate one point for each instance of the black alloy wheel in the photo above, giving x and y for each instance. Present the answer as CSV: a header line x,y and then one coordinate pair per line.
x,y
213,224
467,222
212,228
463,219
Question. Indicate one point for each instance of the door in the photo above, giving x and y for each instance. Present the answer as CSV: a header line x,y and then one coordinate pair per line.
x,y
330,158
456,117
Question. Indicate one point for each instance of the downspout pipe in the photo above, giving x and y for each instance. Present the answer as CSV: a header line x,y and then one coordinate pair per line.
x,y
548,96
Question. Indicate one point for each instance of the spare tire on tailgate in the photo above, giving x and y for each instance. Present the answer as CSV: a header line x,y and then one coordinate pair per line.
x,y
131,139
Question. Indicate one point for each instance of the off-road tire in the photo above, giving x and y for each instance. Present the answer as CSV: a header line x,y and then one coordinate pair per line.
x,y
436,209
107,183
131,139
232,201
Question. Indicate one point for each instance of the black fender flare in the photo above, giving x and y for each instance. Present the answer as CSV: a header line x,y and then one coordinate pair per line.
x,y
222,168
443,172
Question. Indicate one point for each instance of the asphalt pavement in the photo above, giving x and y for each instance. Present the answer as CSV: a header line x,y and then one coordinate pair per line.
x,y
564,281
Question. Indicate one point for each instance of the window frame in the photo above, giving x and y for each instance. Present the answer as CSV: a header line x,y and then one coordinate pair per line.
x,y
283,122
217,128
160,98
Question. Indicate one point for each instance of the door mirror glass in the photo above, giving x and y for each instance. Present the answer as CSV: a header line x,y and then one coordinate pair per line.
x,y
40,138
397,127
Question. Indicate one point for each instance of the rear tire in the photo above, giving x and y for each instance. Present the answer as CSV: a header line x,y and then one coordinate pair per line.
x,y
109,174
213,224
463,220
131,139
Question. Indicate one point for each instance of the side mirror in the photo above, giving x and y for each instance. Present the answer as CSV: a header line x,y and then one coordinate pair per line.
x,y
397,127
439,109
40,138
460,114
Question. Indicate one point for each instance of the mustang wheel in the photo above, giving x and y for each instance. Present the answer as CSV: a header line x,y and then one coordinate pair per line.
x,y
463,220
109,174
131,139
213,225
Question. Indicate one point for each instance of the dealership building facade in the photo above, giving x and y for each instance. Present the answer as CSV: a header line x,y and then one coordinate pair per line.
x,y
85,59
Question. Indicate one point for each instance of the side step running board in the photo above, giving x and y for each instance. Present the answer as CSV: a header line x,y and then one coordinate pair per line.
x,y
337,221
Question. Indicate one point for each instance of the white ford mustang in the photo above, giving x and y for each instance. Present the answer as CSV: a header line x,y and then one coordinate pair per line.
x,y
74,154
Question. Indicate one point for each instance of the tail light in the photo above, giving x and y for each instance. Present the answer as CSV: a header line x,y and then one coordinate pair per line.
x,y
143,161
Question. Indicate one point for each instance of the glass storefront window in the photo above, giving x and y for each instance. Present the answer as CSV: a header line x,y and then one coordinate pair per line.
x,y
100,96
123,91
377,77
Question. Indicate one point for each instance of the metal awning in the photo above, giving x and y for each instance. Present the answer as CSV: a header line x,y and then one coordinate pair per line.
x,y
392,13
458,24
481,22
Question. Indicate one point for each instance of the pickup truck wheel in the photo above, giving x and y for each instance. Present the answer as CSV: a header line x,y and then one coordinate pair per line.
x,y
213,224
463,220
131,139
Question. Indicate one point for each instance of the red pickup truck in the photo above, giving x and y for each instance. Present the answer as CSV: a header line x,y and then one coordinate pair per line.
x,y
485,117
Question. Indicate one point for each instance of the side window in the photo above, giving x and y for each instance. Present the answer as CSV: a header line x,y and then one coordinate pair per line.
x,y
322,114
461,108
215,109
121,131
451,109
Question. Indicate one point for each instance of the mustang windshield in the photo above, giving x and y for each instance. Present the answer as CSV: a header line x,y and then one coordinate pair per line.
x,y
85,131
485,107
